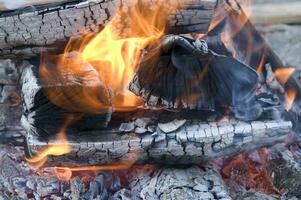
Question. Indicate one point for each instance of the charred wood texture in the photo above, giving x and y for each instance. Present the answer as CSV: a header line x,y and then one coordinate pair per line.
x,y
182,140
193,142
31,31
11,130
38,110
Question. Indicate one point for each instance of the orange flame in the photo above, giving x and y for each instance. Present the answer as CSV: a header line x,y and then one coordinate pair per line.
x,y
290,98
283,74
106,63
60,147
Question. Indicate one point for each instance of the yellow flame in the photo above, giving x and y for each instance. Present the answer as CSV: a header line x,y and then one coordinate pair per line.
x,y
283,74
110,57
290,99
60,147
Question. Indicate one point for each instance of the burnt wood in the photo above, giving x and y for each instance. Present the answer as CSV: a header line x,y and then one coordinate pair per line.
x,y
33,30
192,143
44,118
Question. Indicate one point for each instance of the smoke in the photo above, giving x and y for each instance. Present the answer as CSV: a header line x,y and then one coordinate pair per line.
x,y
13,4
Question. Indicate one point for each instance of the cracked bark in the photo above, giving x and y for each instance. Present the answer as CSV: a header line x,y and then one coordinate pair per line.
x,y
180,141
30,32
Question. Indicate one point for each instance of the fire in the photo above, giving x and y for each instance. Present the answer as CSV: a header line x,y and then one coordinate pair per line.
x,y
290,98
60,147
110,58
250,171
93,74
283,75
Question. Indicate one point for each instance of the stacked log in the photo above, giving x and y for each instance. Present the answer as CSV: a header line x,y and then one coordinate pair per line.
x,y
31,31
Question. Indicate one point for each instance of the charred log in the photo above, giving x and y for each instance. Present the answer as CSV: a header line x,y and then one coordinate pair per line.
x,y
29,32
38,110
194,142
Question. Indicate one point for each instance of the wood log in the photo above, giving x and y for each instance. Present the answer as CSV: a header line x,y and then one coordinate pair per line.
x,y
193,143
36,104
181,140
7,5
30,32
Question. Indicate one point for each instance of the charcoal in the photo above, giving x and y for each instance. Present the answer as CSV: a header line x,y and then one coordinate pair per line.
x,y
123,194
77,188
191,183
142,122
140,130
171,126
47,186
127,127
116,185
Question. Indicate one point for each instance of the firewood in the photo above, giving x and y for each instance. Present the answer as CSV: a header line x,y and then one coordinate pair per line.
x,y
39,110
43,29
188,75
180,139
195,142
7,5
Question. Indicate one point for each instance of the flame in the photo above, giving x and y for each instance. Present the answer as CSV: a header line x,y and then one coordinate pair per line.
x,y
65,173
105,63
290,98
283,74
59,147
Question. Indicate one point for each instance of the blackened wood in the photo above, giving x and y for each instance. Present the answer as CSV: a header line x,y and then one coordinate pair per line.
x,y
30,32
43,117
194,142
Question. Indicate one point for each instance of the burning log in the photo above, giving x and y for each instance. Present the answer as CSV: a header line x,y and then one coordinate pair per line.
x,y
36,105
33,30
194,142
91,141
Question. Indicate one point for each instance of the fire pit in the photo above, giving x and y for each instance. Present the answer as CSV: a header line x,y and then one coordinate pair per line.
x,y
146,100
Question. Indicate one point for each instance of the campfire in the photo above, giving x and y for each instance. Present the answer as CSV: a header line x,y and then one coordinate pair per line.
x,y
143,99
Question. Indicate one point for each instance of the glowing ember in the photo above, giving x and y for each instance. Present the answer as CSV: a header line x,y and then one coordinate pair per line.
x,y
250,172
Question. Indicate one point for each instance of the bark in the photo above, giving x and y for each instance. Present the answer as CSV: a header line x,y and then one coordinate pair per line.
x,y
193,143
30,32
